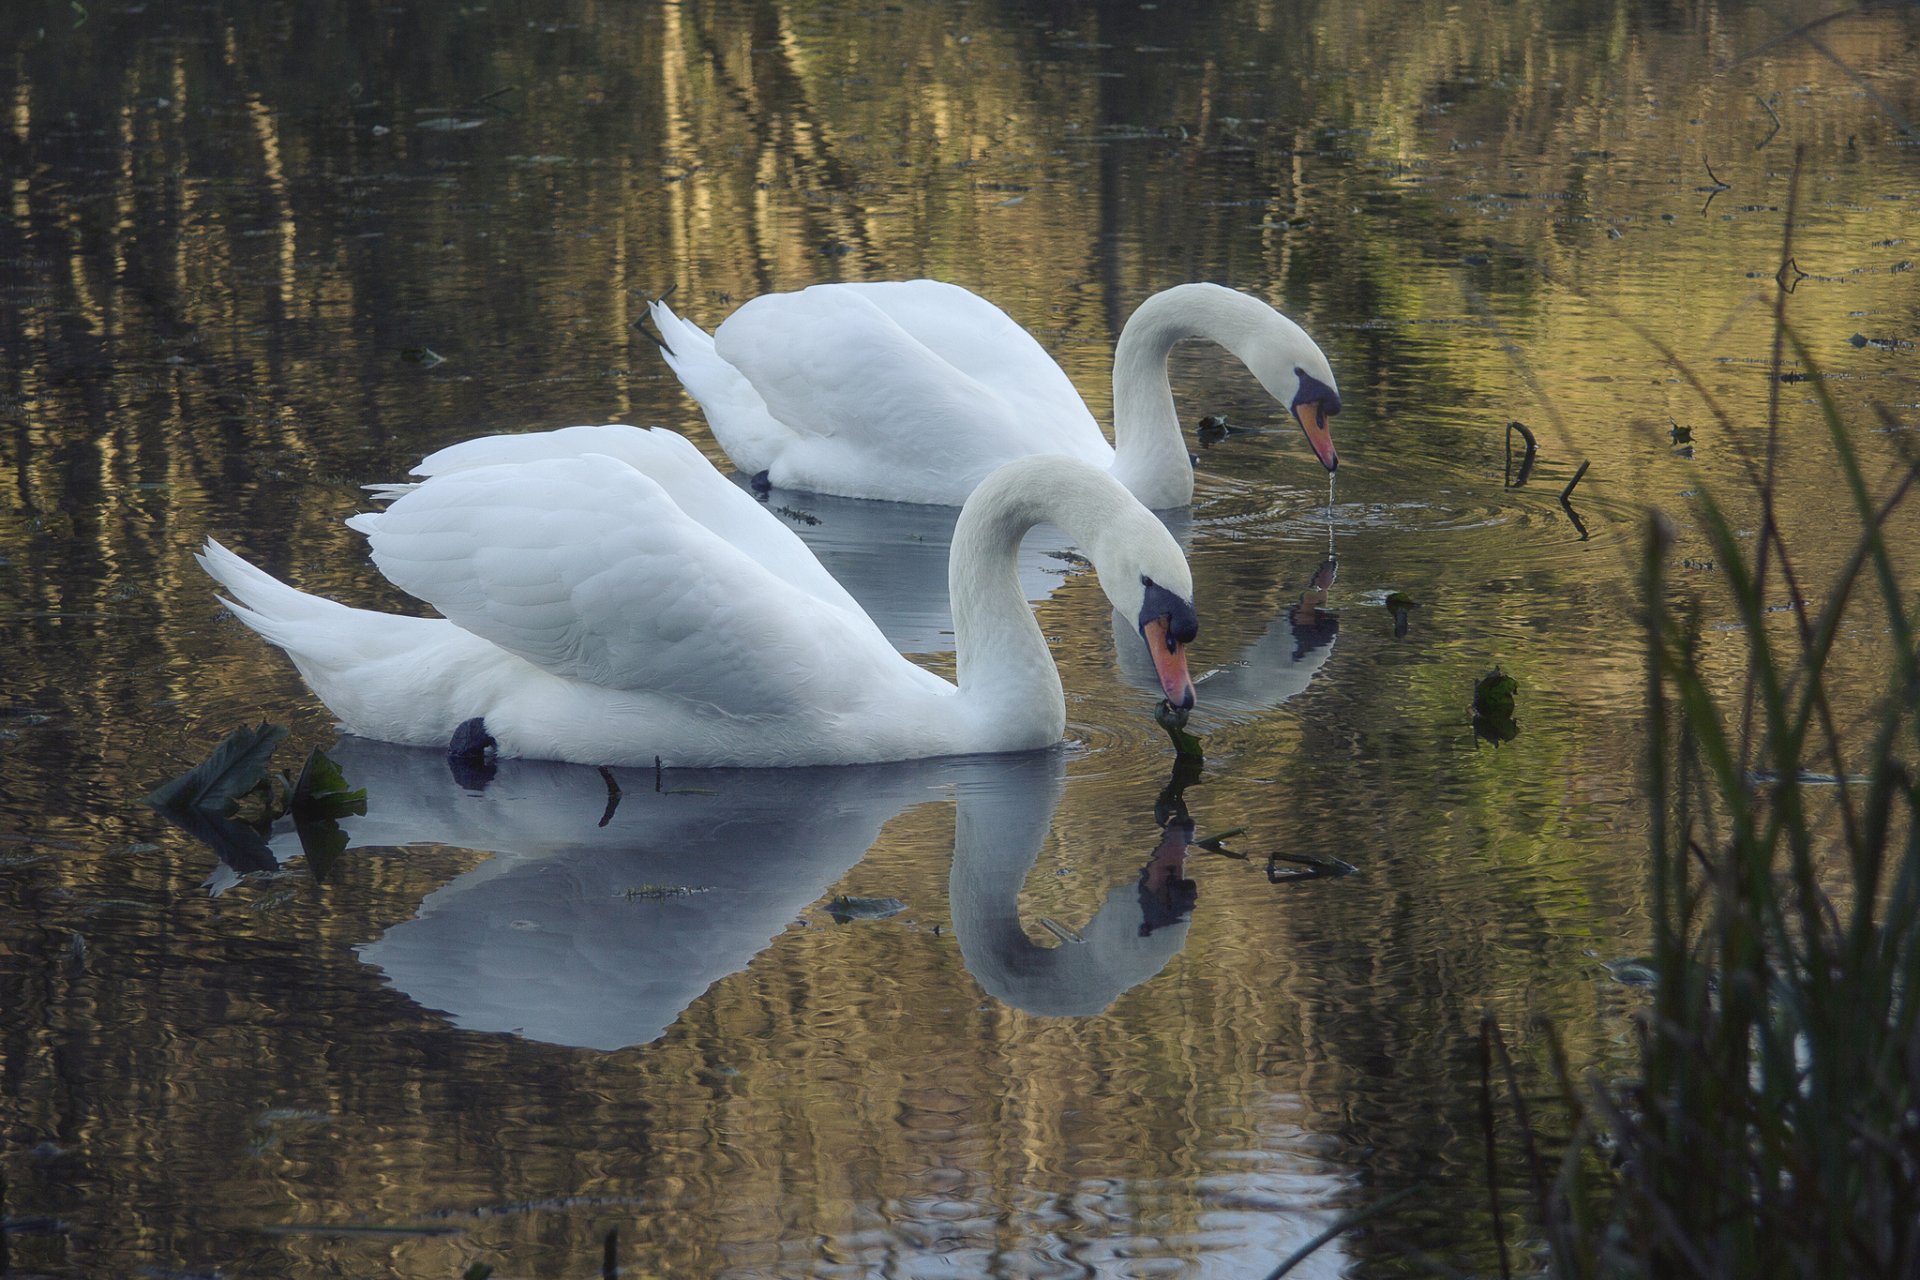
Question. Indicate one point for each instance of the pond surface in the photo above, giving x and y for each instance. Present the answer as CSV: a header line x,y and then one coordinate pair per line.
x,y
963,1017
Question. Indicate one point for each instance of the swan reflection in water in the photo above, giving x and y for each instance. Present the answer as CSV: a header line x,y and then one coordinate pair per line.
x,y
1276,666
892,558
596,929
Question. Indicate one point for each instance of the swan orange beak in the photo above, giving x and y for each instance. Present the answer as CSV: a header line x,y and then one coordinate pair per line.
x,y
1313,420
1169,662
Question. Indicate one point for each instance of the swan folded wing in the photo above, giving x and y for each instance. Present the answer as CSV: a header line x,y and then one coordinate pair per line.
x,y
672,462
590,571
834,366
988,345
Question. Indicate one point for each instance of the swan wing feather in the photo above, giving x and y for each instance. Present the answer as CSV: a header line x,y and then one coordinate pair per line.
x,y
875,401
588,569
986,344
673,463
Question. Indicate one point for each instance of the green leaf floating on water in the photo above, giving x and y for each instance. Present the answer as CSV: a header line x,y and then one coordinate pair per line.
x,y
231,770
322,790
1493,695
320,797
229,800
1493,699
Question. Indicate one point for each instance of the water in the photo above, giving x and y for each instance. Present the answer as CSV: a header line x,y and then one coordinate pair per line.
x,y
496,1028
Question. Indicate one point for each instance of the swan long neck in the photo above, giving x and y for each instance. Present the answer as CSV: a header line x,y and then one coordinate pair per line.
x,y
1150,452
1005,671
996,842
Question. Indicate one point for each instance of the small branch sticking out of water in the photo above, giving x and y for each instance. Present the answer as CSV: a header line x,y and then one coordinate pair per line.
x,y
487,100
1776,123
1492,1151
1568,491
1566,496
1526,461
1714,190
610,1255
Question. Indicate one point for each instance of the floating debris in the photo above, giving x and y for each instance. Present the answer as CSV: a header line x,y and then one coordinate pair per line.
x,y
1493,706
1401,606
1174,720
844,909
1526,461
1634,971
1306,866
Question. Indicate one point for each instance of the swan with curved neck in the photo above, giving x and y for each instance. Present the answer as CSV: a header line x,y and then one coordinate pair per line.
x,y
912,391
610,598
1140,926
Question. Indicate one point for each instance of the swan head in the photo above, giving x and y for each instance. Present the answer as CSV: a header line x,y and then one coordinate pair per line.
x,y
1157,593
1146,578
1293,369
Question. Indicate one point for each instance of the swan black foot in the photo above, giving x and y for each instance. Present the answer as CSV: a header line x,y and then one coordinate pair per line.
x,y
761,483
470,754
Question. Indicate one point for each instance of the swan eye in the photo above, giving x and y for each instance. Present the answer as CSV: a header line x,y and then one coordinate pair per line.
x,y
1314,391
1182,623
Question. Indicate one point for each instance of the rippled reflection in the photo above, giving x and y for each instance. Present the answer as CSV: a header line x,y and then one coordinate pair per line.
x,y
600,916
230,236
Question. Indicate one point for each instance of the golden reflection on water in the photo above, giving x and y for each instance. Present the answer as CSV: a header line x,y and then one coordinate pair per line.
x,y
226,229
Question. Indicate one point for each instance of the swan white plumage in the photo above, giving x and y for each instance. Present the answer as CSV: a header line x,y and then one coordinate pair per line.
x,y
607,597
913,391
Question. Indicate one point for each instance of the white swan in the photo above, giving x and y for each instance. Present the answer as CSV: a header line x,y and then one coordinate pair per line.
x,y
609,598
912,391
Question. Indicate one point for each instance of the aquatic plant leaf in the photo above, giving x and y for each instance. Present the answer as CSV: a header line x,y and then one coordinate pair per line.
x,y
1174,719
231,770
237,844
322,841
1494,693
322,791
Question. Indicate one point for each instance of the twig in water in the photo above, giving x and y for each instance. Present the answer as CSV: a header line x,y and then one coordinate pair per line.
x,y
1566,496
1568,491
1526,462
1493,1156
610,1255
613,795
1776,122
487,99
1714,190
1790,268
1353,1219
656,773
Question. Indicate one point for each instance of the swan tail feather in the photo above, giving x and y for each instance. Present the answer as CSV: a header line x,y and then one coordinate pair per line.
x,y
751,437
332,644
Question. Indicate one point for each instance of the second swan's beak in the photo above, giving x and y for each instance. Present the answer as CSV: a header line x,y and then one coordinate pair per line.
x,y
1313,420
1169,662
